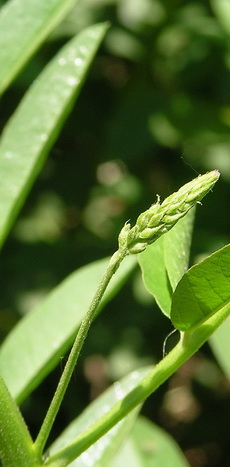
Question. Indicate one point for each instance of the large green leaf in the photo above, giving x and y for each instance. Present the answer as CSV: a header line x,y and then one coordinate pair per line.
x,y
149,446
164,262
101,453
220,344
36,344
38,119
202,291
24,25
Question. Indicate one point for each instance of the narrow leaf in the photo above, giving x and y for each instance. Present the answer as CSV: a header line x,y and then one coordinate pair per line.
x,y
41,338
154,273
149,446
220,344
101,453
16,447
177,248
37,121
202,291
24,25
164,262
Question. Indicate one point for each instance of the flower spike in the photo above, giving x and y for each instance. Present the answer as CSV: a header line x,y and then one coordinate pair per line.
x,y
161,217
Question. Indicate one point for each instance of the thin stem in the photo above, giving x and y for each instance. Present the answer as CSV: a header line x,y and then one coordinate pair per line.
x,y
74,354
189,343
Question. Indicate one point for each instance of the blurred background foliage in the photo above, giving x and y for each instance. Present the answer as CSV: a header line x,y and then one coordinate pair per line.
x,y
154,112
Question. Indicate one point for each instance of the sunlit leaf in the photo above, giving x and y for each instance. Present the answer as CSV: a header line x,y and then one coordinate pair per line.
x,y
202,291
222,10
16,446
177,248
154,273
24,25
42,337
164,262
220,344
149,446
101,453
37,121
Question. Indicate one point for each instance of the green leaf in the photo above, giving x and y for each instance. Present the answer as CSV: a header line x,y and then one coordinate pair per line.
x,y
164,262
154,274
24,25
177,248
16,447
222,10
37,121
149,446
41,338
202,291
101,453
220,344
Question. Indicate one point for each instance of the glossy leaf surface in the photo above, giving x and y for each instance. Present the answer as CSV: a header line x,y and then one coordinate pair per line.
x,y
203,290
149,446
101,453
24,24
37,121
41,338
164,262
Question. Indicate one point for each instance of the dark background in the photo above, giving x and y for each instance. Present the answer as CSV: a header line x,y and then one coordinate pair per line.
x,y
154,112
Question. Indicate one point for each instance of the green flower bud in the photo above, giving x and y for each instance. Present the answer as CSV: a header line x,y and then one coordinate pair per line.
x,y
160,218
123,235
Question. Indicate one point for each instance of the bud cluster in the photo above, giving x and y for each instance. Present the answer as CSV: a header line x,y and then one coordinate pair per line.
x,y
161,217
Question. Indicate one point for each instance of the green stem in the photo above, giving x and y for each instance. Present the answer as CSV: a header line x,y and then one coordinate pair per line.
x,y
189,343
16,445
74,354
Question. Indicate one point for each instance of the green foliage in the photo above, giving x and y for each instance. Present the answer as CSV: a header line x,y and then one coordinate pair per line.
x,y
157,89
220,345
22,34
15,441
170,257
102,452
202,291
42,113
148,445
55,323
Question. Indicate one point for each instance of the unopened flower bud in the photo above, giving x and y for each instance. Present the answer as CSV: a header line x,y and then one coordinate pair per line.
x,y
160,218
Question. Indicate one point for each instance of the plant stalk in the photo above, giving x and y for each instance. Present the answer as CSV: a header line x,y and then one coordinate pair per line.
x,y
188,345
150,225
46,427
